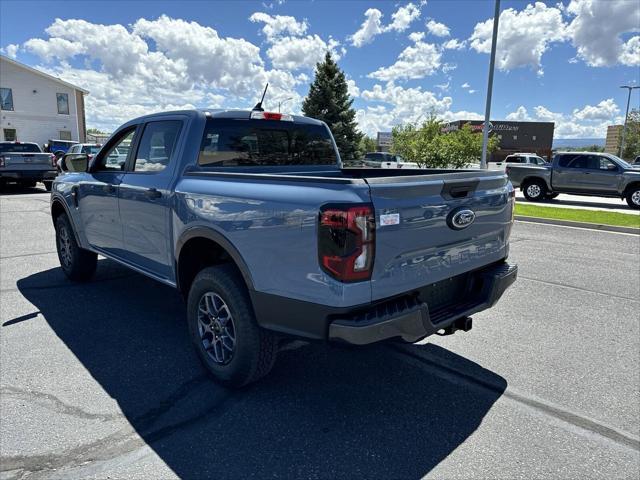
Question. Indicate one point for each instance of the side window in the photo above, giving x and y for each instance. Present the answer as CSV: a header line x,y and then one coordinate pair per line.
x,y
566,161
115,157
156,146
606,164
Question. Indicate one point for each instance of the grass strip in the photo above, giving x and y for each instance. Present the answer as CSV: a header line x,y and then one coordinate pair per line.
x,y
598,217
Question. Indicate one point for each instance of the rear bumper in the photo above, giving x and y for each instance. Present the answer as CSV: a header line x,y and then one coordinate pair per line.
x,y
411,316
414,319
34,175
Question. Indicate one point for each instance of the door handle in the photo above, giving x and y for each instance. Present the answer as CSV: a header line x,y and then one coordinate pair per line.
x,y
109,188
153,193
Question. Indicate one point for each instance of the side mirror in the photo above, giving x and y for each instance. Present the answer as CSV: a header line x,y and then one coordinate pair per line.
x,y
76,162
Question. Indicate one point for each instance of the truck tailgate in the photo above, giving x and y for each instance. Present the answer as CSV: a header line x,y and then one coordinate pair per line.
x,y
418,242
27,161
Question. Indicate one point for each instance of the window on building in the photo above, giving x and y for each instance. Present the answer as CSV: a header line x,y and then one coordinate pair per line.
x,y
9,134
65,135
515,137
534,138
6,99
63,103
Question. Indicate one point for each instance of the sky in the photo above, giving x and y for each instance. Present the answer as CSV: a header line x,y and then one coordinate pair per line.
x,y
560,61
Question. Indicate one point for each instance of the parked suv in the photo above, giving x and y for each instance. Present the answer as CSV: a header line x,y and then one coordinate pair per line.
x,y
579,173
252,218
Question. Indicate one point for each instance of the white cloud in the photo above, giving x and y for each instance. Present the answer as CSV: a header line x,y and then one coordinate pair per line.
x,y
520,115
523,36
293,53
158,65
454,44
465,85
444,86
403,17
472,91
353,89
416,36
630,54
597,28
589,122
417,61
605,110
438,29
277,25
10,50
371,27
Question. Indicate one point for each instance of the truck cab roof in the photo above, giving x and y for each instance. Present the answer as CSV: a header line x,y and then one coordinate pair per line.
x,y
228,114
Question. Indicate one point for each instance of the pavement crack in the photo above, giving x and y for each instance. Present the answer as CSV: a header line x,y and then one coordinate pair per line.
x,y
545,407
53,403
581,289
145,431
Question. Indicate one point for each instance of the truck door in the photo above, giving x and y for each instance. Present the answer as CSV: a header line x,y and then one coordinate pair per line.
x,y
568,172
97,194
603,176
145,197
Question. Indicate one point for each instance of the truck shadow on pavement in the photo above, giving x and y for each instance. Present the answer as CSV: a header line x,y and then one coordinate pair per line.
x,y
324,411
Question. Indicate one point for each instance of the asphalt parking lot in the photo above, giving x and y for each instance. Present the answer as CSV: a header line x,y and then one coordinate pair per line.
x,y
98,380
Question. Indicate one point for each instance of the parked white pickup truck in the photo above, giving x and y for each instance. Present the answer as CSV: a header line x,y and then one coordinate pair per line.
x,y
387,160
25,164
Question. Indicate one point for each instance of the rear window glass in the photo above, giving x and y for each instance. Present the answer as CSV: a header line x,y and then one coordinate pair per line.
x,y
239,143
19,147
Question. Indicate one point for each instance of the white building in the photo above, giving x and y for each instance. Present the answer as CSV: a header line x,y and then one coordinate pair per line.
x,y
36,107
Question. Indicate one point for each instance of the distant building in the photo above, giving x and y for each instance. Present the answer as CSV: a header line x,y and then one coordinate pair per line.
x,y
514,137
384,141
36,106
612,144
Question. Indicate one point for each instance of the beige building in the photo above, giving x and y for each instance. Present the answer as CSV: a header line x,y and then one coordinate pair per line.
x,y
36,106
612,145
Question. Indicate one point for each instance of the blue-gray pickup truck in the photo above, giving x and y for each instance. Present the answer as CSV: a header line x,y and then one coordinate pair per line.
x,y
250,215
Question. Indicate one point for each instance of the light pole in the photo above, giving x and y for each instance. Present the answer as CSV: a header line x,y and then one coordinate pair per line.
x,y
626,115
487,111
285,100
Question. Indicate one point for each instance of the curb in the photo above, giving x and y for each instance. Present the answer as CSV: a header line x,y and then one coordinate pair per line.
x,y
569,223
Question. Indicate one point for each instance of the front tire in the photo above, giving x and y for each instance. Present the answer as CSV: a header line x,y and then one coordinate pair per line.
x,y
535,191
633,197
77,263
224,331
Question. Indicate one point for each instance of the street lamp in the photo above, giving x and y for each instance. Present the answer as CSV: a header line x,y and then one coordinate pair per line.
x,y
285,100
487,112
626,115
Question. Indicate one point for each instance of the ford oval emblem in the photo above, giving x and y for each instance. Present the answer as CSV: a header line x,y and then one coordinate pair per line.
x,y
461,218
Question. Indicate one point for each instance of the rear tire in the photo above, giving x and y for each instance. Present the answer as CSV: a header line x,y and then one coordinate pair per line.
x,y
535,190
551,196
223,328
77,263
633,197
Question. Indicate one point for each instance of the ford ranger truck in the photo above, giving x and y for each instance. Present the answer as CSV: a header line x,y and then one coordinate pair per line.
x,y
251,217
25,164
579,173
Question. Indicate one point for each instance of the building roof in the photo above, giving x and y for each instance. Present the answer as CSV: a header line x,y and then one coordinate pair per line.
x,y
42,74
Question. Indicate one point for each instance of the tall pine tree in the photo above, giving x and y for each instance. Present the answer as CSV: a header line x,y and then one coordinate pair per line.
x,y
328,100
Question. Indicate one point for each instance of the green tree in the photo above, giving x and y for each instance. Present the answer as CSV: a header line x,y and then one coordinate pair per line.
x,y
96,131
328,100
367,144
429,147
632,140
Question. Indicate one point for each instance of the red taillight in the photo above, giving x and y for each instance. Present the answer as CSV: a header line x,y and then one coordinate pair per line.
x,y
346,241
53,160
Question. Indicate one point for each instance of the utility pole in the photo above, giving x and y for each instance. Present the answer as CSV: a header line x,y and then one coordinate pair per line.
x,y
285,100
626,115
487,111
